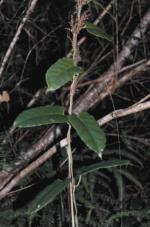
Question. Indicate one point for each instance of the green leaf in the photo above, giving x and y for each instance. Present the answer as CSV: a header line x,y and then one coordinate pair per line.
x,y
60,73
46,196
102,165
96,31
51,191
40,116
120,185
136,213
130,177
89,131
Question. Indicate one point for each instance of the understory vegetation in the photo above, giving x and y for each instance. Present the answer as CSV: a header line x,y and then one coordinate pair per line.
x,y
108,70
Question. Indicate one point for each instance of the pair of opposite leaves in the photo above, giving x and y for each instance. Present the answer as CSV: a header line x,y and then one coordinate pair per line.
x,y
84,124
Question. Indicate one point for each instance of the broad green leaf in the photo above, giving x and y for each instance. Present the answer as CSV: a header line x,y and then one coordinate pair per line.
x,y
102,165
46,196
60,73
40,116
96,31
89,131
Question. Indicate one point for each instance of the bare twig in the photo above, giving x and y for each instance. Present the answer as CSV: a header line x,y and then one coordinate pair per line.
x,y
16,36
124,69
111,87
105,11
1,2
137,107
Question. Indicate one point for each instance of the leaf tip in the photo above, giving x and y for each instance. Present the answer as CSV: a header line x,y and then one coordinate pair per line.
x,y
100,156
100,153
14,125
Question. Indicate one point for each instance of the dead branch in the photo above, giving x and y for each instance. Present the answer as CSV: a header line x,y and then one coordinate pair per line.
x,y
17,35
124,112
105,11
112,86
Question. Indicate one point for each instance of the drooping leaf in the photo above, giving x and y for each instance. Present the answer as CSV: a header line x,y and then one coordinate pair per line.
x,y
40,116
102,165
46,196
60,73
89,131
96,31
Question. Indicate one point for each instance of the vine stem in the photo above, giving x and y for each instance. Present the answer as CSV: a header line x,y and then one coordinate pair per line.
x,y
71,186
75,28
